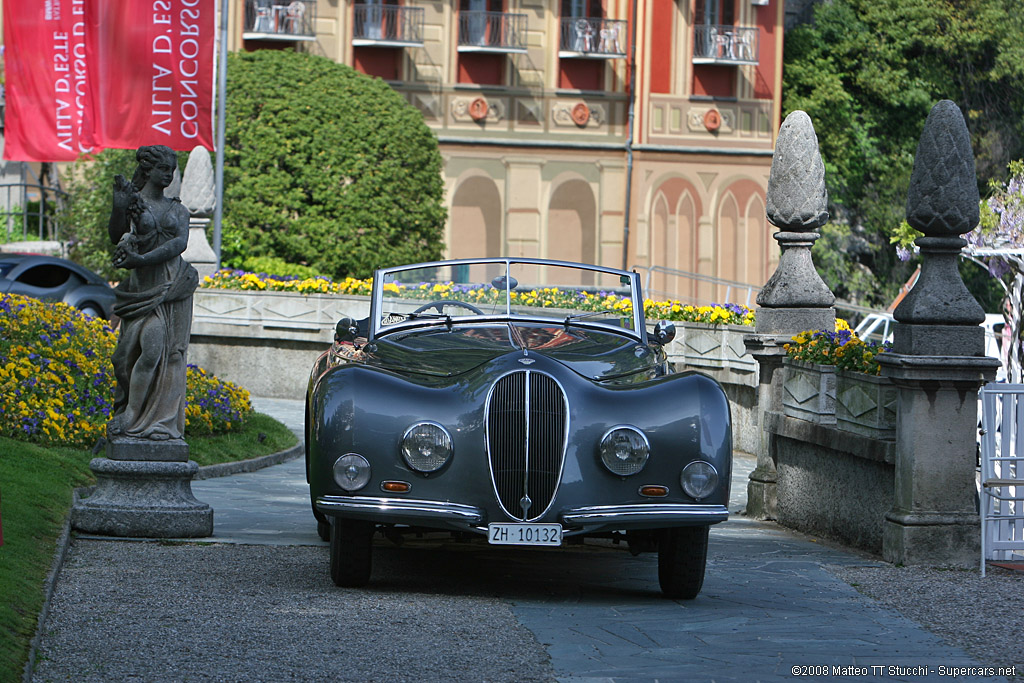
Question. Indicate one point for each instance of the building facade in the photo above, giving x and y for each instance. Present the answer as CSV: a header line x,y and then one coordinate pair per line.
x,y
555,147
632,133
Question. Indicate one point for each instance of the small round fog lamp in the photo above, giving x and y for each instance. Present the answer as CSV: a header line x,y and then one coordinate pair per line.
x,y
624,450
352,472
699,479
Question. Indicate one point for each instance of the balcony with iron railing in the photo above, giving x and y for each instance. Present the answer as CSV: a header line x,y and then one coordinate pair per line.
x,y
724,44
270,20
593,38
492,32
387,26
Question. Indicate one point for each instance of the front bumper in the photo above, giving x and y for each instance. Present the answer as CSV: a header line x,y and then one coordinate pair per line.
x,y
575,521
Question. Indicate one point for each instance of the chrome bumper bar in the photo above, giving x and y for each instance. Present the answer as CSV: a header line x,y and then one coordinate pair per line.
x,y
670,513
386,509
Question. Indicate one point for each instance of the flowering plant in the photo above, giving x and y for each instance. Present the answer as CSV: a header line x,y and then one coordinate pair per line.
x,y
57,380
841,348
213,405
240,279
544,297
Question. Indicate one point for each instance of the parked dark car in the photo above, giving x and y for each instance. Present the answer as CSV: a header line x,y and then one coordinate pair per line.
x,y
465,405
54,279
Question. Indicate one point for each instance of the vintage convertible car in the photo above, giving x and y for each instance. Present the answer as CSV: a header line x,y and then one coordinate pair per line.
x,y
520,400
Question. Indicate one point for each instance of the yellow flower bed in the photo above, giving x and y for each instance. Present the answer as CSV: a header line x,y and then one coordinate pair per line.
x,y
545,297
57,381
842,348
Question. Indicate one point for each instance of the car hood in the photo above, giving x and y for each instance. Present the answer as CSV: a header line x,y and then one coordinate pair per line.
x,y
590,352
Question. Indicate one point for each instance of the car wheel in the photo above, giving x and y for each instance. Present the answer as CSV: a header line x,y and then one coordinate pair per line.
x,y
682,555
323,528
351,552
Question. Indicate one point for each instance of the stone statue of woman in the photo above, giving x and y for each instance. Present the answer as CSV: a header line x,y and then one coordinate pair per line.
x,y
154,302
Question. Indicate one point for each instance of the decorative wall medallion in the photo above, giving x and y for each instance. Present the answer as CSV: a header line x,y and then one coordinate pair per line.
x,y
478,109
697,120
580,114
564,114
712,120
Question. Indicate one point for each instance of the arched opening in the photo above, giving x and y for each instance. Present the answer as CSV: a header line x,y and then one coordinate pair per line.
x,y
759,243
572,223
475,220
686,246
731,253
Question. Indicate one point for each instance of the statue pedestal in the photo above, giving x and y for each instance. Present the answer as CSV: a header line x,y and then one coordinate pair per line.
x,y
143,498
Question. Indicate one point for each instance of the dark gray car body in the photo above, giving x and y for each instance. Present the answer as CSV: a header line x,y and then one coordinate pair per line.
x,y
48,278
363,403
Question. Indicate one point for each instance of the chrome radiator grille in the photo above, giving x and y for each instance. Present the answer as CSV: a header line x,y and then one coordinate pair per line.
x,y
527,418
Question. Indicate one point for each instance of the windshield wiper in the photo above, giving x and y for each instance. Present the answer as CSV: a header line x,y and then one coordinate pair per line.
x,y
433,316
589,314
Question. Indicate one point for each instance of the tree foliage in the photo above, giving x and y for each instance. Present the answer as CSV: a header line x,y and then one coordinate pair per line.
x,y
868,72
85,214
326,167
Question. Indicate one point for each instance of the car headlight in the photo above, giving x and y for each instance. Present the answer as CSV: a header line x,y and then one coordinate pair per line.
x,y
351,471
624,450
426,447
699,479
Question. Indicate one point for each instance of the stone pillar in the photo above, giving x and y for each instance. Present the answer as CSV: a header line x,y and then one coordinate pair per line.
x,y
938,361
198,194
795,298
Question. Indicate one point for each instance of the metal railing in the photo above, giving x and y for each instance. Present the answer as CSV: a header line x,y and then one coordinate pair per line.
x,y
29,210
742,290
271,20
387,25
724,44
492,32
593,37
725,291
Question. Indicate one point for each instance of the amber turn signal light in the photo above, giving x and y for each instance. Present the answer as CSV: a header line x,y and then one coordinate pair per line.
x,y
654,491
396,486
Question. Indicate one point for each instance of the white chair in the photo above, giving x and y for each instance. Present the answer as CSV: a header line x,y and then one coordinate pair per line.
x,y
584,36
1002,472
293,17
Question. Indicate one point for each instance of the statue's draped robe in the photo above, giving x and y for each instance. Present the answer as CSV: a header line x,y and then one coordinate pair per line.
x,y
155,307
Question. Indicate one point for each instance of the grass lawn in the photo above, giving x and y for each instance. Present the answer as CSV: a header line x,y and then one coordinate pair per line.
x,y
36,484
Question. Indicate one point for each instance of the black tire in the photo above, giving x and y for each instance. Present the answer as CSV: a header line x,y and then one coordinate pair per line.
x,y
323,528
351,552
682,556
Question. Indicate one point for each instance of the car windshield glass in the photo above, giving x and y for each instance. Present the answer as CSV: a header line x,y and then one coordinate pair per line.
x,y
521,289
6,267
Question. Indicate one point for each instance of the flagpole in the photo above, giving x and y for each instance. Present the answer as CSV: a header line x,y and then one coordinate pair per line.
x,y
222,82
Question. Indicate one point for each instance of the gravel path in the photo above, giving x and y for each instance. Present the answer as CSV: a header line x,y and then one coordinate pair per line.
x,y
983,616
266,613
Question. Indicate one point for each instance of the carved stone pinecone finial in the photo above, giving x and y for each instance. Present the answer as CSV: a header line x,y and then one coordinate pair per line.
x,y
797,200
198,189
943,196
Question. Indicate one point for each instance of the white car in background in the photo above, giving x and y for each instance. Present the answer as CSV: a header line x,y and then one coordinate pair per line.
x,y
878,327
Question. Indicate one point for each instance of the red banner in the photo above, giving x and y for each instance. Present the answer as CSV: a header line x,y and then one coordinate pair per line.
x,y
44,60
83,75
151,73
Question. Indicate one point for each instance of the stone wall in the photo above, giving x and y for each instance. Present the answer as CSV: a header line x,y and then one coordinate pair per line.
x,y
831,482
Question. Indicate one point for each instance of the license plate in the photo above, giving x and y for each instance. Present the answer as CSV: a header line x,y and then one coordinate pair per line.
x,y
524,534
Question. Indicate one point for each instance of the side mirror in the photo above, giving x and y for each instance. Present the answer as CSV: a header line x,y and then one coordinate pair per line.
x,y
664,331
346,330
